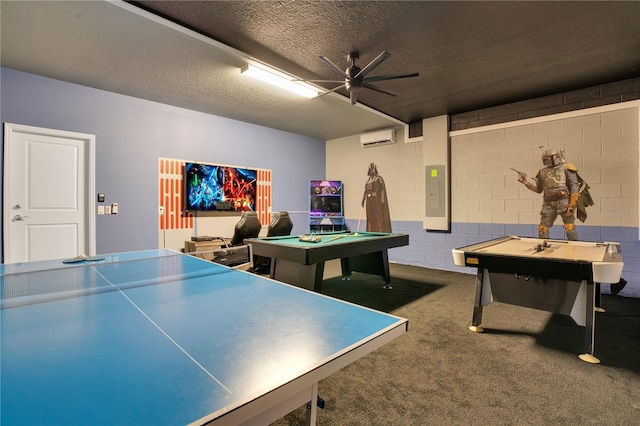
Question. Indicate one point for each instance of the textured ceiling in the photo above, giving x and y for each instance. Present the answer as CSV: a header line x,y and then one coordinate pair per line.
x,y
470,55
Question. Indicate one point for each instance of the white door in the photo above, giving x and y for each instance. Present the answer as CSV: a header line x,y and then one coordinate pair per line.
x,y
48,194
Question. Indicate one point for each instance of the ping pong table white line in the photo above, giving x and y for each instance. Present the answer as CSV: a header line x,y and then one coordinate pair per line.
x,y
57,264
31,299
165,333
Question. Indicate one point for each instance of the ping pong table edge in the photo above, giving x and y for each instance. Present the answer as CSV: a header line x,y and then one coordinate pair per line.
x,y
267,408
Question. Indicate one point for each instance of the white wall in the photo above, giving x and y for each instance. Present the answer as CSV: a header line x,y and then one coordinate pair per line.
x,y
603,143
487,201
399,164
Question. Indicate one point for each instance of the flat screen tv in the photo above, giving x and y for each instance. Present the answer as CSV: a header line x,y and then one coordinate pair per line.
x,y
326,198
211,187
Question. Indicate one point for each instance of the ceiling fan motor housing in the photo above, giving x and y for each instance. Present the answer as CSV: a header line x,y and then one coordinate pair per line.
x,y
351,83
355,77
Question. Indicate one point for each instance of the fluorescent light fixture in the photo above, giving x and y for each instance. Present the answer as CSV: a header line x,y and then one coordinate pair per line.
x,y
280,80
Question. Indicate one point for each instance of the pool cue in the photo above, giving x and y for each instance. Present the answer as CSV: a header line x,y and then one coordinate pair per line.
x,y
335,238
359,219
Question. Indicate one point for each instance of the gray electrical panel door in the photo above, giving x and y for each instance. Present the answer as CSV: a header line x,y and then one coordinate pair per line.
x,y
435,178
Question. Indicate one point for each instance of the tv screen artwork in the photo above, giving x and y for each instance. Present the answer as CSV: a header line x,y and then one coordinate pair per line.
x,y
211,187
326,198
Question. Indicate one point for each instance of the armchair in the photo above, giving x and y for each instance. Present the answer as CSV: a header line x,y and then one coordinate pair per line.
x,y
236,254
249,226
280,225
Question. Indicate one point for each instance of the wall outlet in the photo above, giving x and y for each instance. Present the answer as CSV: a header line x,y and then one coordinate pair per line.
x,y
107,209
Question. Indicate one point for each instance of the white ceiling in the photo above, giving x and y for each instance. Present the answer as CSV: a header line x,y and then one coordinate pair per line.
x,y
122,49
470,55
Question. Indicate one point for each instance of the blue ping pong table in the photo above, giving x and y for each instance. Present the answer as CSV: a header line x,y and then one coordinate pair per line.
x,y
158,337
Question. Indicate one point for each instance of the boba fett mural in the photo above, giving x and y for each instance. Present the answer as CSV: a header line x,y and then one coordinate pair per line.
x,y
565,194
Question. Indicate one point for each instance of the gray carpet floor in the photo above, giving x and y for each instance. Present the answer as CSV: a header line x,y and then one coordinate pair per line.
x,y
523,370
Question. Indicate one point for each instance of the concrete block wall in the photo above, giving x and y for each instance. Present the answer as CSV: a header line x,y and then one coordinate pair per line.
x,y
606,94
603,146
399,164
603,143
487,201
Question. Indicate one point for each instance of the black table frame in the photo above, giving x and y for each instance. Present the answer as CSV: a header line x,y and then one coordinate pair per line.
x,y
303,266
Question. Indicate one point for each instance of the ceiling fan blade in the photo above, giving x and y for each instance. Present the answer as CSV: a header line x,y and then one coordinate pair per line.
x,y
379,89
371,65
334,66
342,86
353,96
389,77
320,81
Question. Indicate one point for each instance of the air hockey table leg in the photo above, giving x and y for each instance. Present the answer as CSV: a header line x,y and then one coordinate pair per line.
x,y
589,336
477,305
599,307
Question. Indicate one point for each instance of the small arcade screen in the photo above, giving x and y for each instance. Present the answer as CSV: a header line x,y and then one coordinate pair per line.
x,y
211,187
326,198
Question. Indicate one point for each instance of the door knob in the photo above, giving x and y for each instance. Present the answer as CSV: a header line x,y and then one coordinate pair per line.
x,y
17,218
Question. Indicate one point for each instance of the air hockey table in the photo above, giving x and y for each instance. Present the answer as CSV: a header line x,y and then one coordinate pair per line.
x,y
557,276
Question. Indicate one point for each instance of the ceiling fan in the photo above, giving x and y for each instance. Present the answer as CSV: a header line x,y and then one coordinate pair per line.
x,y
355,77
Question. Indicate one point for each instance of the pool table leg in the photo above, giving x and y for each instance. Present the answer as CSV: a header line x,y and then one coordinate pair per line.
x,y
305,276
376,263
477,304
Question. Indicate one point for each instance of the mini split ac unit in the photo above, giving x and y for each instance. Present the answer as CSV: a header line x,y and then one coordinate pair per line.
x,y
381,137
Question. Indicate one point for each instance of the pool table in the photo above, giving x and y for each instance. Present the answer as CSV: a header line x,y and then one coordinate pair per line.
x,y
301,263
557,276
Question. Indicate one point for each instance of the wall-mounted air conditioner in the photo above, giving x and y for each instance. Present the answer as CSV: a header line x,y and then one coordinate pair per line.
x,y
381,137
